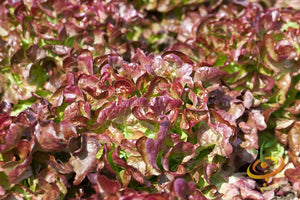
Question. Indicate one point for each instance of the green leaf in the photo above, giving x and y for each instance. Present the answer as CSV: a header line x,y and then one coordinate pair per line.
x,y
43,93
22,105
14,78
268,144
221,60
112,164
176,129
99,153
272,147
175,160
69,41
255,151
158,160
60,112
217,180
38,76
290,24
4,183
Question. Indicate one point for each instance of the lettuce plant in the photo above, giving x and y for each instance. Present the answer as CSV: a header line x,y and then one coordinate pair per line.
x,y
147,100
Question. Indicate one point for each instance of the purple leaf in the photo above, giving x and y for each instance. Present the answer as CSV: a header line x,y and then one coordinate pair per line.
x,y
184,189
224,148
176,56
270,19
295,109
209,169
259,120
61,49
293,174
248,99
83,160
107,185
47,138
35,53
91,84
154,147
114,111
269,43
240,187
85,61
285,50
124,87
73,93
11,136
47,182
207,73
21,171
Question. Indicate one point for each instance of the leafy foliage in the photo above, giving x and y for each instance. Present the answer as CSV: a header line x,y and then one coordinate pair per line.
x,y
153,100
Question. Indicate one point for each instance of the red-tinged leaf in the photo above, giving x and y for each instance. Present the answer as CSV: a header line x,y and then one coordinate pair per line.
x,y
57,97
153,147
117,160
69,63
154,85
209,169
2,191
71,111
85,61
85,109
67,129
266,83
51,190
20,13
240,187
113,111
72,29
183,189
14,42
141,147
224,148
139,177
35,53
248,99
62,168
11,136
270,19
207,73
176,56
108,186
46,134
237,109
101,61
83,159
295,109
125,177
124,87
269,43
20,171
285,50
163,105
293,142
23,149
72,94
134,70
91,84
5,121
259,120
61,49
163,196
293,174
177,88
